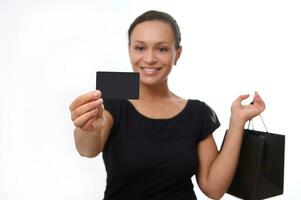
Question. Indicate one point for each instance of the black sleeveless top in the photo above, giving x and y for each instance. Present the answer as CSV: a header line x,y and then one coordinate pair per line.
x,y
154,159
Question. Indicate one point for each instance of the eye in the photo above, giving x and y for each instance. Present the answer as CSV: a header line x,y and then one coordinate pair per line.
x,y
162,49
139,48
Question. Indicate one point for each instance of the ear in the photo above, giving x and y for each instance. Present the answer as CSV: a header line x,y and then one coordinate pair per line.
x,y
178,54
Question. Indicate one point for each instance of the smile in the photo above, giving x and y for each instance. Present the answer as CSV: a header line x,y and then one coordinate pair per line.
x,y
150,70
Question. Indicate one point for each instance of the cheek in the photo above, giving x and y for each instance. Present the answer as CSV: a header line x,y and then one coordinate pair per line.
x,y
168,59
135,58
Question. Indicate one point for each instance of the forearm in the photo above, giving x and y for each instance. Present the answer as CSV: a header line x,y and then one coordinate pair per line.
x,y
223,168
216,170
88,144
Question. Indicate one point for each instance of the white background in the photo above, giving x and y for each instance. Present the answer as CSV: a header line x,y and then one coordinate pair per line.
x,y
51,49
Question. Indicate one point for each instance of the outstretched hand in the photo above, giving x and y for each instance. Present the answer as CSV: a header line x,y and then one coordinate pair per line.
x,y
87,111
244,113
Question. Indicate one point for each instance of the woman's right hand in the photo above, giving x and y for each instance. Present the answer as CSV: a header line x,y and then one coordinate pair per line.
x,y
87,111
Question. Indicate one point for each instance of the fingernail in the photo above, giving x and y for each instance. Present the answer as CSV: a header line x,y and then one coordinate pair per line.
x,y
97,102
96,93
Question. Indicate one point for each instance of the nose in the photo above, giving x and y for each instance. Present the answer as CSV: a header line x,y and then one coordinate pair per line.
x,y
150,57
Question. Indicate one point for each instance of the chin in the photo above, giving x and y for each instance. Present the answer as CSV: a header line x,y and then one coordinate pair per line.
x,y
151,81
148,82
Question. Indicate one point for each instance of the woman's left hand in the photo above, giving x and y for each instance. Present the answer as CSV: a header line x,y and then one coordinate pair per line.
x,y
244,113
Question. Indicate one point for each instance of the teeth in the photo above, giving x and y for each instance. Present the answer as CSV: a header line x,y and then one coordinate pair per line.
x,y
149,70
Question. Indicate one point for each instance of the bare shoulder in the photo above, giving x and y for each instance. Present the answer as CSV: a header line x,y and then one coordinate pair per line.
x,y
180,101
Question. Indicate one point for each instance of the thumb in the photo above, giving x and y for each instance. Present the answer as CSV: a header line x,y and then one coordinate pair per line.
x,y
241,98
101,114
100,110
237,102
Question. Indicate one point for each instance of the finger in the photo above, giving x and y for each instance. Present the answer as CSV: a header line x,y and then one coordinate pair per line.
x,y
242,97
258,103
258,99
86,108
100,110
84,99
80,121
88,124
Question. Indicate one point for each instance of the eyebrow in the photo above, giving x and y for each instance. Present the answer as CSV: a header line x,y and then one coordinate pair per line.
x,y
138,41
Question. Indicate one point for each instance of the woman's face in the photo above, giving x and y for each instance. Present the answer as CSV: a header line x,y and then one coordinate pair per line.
x,y
152,51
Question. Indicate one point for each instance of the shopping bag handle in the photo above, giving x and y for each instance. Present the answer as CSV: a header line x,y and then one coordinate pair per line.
x,y
251,120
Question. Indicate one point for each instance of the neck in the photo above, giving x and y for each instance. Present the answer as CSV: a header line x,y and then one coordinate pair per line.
x,y
154,92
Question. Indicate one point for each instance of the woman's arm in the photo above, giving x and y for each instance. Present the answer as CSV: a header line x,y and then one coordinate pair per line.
x,y
91,143
216,169
92,123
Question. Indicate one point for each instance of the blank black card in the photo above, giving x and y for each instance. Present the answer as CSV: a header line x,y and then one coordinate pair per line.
x,y
118,85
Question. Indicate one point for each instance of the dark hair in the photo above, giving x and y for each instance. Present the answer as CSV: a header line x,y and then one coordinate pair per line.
x,y
153,15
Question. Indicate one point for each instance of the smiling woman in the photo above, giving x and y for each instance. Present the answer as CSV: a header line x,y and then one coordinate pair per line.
x,y
154,145
152,50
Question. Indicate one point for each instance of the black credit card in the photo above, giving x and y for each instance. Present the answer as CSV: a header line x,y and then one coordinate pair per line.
x,y
118,85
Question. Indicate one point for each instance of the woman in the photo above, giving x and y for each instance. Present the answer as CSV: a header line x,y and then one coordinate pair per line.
x,y
153,146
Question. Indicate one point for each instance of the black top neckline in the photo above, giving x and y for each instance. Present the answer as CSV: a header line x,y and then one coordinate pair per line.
x,y
179,114
154,158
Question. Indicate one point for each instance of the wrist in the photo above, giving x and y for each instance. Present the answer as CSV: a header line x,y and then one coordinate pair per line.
x,y
237,121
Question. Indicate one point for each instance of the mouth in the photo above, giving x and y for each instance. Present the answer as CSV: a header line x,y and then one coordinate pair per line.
x,y
150,70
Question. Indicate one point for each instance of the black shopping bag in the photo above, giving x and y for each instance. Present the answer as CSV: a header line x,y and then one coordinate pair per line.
x,y
260,169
